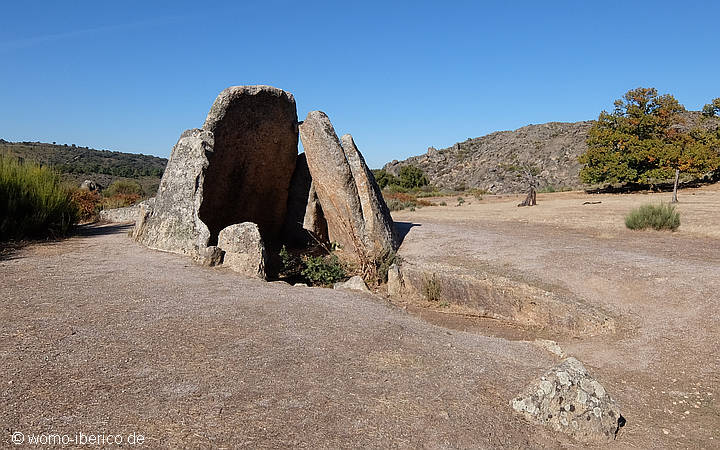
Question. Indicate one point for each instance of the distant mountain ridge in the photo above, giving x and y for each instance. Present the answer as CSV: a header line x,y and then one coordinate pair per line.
x,y
499,162
79,163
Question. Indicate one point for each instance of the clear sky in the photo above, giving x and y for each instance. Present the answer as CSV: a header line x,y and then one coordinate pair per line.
x,y
398,76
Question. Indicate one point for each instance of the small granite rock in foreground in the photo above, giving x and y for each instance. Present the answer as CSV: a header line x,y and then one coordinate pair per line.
x,y
244,249
355,283
569,400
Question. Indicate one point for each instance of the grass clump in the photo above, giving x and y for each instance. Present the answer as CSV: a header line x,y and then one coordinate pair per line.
x,y
33,203
431,288
658,217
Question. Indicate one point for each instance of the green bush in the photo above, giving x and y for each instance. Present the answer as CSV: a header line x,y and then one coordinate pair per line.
x,y
659,217
411,177
33,203
323,270
384,178
124,187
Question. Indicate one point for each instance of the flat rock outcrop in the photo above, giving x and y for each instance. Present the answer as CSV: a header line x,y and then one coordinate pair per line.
x,y
568,399
356,214
127,213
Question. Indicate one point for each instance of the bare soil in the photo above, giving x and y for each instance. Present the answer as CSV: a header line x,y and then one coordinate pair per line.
x,y
101,335
661,364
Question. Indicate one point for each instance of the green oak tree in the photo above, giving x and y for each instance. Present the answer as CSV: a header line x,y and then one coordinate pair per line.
x,y
643,141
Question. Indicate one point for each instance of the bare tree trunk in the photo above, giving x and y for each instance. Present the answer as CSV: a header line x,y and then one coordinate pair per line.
x,y
675,186
531,199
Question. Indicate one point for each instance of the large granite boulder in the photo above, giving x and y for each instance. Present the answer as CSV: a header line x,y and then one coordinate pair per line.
x,y
256,137
236,169
568,399
356,214
244,249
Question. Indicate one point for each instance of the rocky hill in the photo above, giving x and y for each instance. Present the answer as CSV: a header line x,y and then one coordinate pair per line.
x,y
77,164
502,162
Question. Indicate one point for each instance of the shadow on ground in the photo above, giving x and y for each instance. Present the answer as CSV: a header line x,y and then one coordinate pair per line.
x,y
95,229
402,229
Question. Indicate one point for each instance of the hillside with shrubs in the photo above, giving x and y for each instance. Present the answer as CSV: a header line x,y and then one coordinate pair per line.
x,y
75,164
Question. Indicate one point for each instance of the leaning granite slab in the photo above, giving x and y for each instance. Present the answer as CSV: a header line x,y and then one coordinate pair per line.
x,y
305,222
568,399
357,217
173,223
244,250
236,169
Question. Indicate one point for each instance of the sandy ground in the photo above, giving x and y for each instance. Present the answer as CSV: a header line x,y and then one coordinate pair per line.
x,y
662,364
100,335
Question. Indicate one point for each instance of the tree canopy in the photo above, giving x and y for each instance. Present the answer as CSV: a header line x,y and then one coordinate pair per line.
x,y
409,177
644,141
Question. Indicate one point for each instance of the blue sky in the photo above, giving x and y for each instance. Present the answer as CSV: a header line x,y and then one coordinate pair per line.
x,y
398,76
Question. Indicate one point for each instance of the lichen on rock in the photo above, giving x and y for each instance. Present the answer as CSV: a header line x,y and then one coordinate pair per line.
x,y
569,400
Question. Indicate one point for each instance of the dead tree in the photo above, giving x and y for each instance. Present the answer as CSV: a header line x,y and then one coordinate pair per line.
x,y
531,199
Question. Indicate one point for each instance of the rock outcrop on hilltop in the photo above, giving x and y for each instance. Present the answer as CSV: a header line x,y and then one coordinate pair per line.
x,y
499,161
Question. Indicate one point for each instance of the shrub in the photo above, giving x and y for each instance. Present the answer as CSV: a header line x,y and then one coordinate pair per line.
x,y
412,177
292,264
397,201
409,177
431,288
87,203
384,178
120,201
323,270
33,203
124,187
659,217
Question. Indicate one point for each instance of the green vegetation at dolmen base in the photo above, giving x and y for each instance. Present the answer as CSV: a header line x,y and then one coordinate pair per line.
x,y
658,217
33,203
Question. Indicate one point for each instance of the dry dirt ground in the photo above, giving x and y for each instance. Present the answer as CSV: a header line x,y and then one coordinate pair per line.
x,y
662,365
100,335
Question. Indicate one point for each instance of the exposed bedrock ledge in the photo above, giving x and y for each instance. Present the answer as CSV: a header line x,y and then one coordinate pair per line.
x,y
503,298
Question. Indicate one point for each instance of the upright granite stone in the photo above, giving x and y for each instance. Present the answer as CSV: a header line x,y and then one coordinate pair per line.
x,y
356,214
236,169
172,223
256,136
